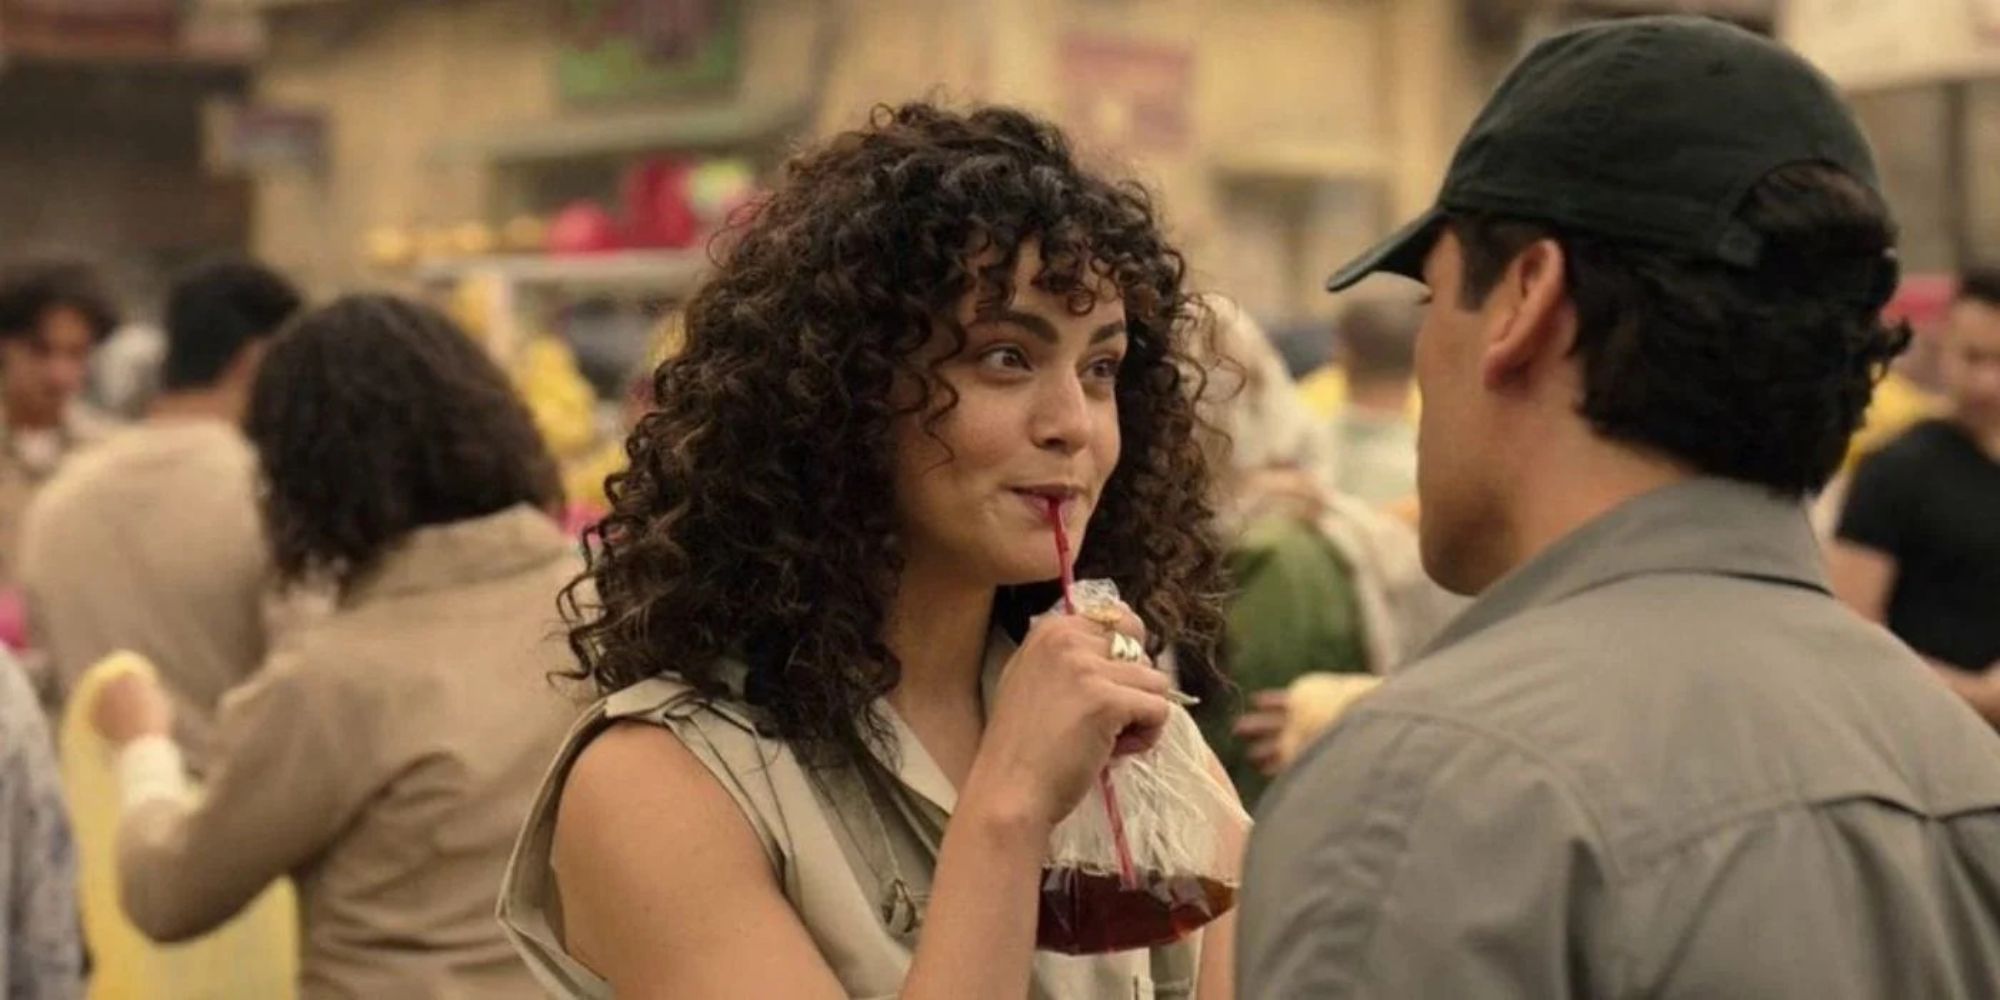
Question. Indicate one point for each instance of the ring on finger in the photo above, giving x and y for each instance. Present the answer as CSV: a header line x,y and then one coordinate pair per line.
x,y
1126,649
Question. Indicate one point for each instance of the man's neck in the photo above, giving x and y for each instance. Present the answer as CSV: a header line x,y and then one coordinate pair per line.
x,y
199,404
19,419
1986,439
1569,492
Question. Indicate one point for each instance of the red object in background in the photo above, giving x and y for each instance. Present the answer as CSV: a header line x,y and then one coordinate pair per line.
x,y
578,518
13,619
583,227
1922,300
659,205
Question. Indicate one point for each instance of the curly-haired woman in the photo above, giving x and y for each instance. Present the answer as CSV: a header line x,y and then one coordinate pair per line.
x,y
832,748
386,757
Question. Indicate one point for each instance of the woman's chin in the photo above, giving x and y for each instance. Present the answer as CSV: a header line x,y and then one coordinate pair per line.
x,y
1013,562
1012,569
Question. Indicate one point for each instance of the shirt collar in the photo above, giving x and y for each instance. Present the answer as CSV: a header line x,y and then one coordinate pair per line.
x,y
907,759
1708,526
79,425
442,556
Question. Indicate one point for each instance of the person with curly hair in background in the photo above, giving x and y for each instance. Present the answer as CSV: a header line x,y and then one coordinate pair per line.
x,y
386,758
1656,757
832,748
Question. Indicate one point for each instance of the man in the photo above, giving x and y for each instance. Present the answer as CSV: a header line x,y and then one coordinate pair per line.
x,y
151,542
1375,437
1656,757
1918,546
53,314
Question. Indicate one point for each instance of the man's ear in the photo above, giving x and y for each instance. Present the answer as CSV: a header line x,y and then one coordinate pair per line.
x,y
1532,317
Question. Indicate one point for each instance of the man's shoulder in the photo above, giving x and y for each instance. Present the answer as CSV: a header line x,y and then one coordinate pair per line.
x,y
151,459
66,495
1923,445
1710,702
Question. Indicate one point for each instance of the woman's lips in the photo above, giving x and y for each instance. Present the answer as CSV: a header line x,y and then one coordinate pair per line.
x,y
1039,499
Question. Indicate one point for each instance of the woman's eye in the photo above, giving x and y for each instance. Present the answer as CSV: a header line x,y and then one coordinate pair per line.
x,y
1106,369
1005,357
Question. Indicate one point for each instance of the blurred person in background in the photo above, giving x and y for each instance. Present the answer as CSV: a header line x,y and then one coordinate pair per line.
x,y
150,542
125,371
41,931
1656,757
1375,434
1918,544
1320,582
387,757
53,314
1906,395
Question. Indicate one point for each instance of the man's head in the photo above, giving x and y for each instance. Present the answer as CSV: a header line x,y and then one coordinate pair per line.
x,y
219,316
1660,252
1378,340
1971,360
53,314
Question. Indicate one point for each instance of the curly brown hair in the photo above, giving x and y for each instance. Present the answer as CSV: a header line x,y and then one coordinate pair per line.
x,y
372,417
756,519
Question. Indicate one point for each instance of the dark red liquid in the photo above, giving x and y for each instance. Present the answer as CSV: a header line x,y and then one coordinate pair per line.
x,y
1086,913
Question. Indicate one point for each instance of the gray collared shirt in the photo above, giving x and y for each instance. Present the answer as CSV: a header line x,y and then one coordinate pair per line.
x,y
1660,760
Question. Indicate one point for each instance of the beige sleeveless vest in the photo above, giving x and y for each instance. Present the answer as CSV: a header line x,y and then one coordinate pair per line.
x,y
852,848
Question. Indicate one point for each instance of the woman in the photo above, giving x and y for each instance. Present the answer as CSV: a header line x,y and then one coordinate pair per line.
x,y
386,758
808,607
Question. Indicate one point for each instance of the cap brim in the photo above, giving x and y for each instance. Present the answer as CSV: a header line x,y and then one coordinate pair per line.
x,y
1403,252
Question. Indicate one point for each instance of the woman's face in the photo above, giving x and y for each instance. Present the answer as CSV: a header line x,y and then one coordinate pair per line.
x,y
1036,418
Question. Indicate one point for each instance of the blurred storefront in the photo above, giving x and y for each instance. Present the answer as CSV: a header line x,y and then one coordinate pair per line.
x,y
101,103
1281,133
1925,77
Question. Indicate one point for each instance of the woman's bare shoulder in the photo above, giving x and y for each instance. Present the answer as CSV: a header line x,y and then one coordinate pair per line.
x,y
660,872
635,786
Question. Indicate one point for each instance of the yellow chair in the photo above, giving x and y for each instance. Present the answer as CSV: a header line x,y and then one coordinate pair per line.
x,y
255,955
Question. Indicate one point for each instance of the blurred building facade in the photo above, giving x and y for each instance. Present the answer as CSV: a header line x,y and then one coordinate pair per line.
x,y
1281,134
1925,77
101,153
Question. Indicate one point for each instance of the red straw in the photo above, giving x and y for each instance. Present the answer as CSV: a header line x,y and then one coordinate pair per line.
x,y
1128,873
1062,555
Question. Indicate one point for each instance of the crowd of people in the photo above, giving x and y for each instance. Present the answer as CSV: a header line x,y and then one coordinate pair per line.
x,y
1524,651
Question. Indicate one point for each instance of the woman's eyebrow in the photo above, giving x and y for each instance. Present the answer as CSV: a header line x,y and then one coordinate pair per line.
x,y
1045,330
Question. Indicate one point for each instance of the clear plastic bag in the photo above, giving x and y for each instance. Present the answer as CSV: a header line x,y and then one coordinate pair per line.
x,y
1151,854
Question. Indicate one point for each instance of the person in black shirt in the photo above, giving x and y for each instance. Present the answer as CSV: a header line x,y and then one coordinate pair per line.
x,y
1918,547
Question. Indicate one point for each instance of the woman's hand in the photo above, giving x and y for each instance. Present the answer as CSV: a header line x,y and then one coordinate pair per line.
x,y
131,706
1063,707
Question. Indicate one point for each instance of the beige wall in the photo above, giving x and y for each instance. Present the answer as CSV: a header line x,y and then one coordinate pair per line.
x,y
394,80
1924,76
1311,124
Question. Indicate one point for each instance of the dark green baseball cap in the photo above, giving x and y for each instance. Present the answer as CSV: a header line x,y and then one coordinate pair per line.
x,y
1648,129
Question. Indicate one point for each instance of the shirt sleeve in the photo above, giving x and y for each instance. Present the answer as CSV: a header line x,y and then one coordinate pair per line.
x,y
287,778
1416,858
43,959
1877,513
